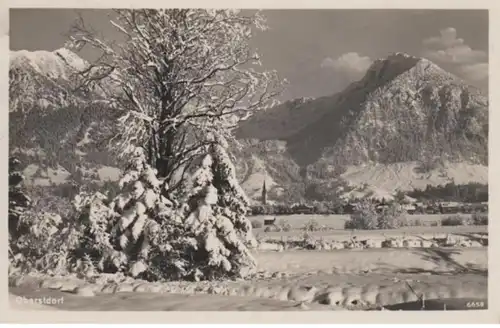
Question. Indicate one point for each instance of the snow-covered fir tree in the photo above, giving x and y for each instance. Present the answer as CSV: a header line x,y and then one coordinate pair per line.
x,y
232,201
119,232
215,212
18,200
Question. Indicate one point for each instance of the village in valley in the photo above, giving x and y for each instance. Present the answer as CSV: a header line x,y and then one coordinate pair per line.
x,y
347,206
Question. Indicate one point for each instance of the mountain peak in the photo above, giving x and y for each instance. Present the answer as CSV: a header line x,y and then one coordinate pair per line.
x,y
407,69
55,63
400,58
390,67
402,55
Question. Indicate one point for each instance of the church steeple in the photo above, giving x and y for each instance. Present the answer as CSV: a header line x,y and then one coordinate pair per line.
x,y
264,193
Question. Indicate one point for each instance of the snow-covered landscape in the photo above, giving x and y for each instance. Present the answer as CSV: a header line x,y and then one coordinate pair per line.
x,y
173,169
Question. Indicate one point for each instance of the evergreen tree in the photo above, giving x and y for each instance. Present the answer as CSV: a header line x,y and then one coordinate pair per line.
x,y
216,216
233,202
118,233
18,201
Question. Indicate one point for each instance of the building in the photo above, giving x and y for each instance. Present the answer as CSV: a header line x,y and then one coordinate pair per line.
x,y
264,194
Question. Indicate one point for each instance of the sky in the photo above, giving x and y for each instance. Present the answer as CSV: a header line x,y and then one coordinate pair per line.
x,y
318,51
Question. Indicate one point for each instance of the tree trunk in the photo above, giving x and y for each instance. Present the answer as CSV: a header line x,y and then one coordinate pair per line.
x,y
166,159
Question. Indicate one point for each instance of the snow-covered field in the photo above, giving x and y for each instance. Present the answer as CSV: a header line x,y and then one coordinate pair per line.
x,y
135,301
286,281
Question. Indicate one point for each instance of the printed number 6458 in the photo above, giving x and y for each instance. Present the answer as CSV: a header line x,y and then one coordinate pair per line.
x,y
474,304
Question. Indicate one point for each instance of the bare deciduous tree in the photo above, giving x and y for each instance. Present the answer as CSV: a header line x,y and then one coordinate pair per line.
x,y
177,75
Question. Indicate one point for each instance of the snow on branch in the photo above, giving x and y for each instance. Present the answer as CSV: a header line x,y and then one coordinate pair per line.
x,y
177,68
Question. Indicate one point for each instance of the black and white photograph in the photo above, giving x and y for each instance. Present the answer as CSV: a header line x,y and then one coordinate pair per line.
x,y
195,159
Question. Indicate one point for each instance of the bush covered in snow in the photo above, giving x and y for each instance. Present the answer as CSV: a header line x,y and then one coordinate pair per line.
x,y
311,225
454,220
48,245
479,219
392,217
284,226
39,238
366,217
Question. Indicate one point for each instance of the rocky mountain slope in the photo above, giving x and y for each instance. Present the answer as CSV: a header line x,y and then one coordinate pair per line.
x,y
407,123
55,136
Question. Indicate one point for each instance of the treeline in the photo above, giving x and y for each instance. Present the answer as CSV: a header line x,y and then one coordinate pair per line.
x,y
451,192
323,208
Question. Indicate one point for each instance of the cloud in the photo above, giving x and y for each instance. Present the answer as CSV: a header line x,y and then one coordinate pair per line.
x,y
351,65
462,54
447,39
328,62
449,49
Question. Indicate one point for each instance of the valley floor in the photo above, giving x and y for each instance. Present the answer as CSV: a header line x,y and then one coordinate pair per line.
x,y
334,223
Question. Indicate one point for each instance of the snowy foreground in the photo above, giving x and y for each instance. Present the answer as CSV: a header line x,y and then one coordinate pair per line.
x,y
288,281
